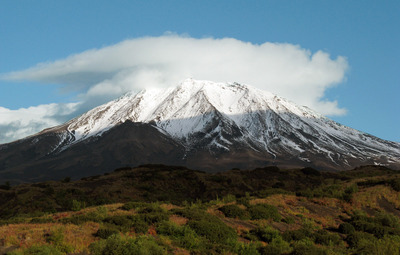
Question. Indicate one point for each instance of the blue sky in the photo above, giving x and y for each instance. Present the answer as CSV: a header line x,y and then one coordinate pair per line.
x,y
361,37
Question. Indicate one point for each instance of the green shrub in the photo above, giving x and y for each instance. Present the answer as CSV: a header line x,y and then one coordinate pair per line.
x,y
246,248
104,233
307,247
296,235
133,205
123,222
233,211
115,244
289,220
243,201
229,198
271,191
266,234
367,244
276,247
153,214
100,212
325,238
183,235
191,213
212,228
389,245
45,249
56,239
190,240
395,184
370,227
169,228
308,193
264,211
77,205
348,192
387,220
140,226
42,220
346,228
357,239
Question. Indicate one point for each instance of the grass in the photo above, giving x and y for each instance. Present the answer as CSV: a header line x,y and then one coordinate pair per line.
x,y
255,223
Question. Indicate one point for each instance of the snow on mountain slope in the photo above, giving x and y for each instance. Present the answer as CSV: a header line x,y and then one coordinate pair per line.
x,y
221,116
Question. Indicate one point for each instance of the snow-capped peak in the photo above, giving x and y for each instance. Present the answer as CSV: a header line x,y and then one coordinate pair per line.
x,y
218,115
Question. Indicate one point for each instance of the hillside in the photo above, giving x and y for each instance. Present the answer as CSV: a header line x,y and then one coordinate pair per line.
x,y
174,210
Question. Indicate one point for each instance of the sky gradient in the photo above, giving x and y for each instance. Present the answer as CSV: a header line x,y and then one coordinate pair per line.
x,y
357,41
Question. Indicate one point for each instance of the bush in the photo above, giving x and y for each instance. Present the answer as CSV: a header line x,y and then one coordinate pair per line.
x,y
289,220
56,239
77,205
214,230
140,226
206,225
194,214
276,247
169,228
153,214
233,211
370,227
367,244
246,249
264,211
272,191
123,222
115,244
357,238
42,220
307,247
388,220
190,240
266,234
183,235
243,201
41,250
133,205
395,184
308,193
97,216
296,235
346,228
229,198
104,233
325,238
387,245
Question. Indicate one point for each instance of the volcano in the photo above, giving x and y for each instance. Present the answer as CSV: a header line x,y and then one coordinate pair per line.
x,y
199,124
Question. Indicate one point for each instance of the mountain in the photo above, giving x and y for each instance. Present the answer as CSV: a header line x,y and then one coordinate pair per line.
x,y
201,124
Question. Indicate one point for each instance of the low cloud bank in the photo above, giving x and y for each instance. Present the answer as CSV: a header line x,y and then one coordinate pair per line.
x,y
100,75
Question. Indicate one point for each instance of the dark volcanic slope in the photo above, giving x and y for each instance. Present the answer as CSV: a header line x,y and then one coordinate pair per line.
x,y
129,144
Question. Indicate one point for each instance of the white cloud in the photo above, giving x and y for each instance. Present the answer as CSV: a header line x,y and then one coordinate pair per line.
x,y
284,69
15,124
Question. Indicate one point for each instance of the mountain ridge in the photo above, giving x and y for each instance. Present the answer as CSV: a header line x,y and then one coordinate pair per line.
x,y
218,126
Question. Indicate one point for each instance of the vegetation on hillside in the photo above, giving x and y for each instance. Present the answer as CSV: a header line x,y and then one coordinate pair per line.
x,y
237,212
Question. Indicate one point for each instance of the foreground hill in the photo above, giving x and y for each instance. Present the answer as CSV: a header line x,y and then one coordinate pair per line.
x,y
169,183
237,212
200,124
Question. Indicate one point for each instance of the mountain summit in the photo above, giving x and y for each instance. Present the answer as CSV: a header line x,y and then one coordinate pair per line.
x,y
201,124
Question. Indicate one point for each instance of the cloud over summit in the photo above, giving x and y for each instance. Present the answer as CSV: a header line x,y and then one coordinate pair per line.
x,y
287,70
